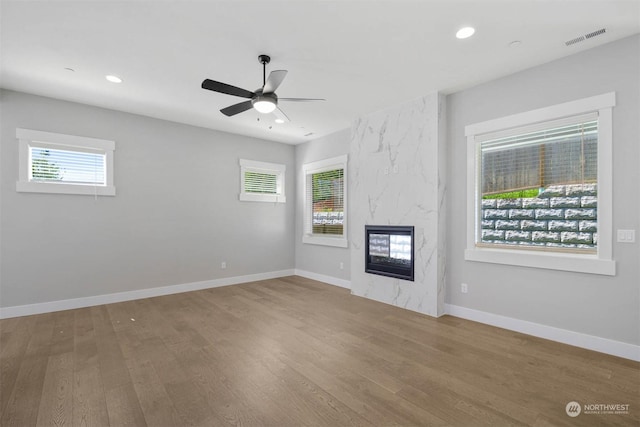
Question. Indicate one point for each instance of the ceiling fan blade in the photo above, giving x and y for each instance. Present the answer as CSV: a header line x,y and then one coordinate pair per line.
x,y
237,108
281,115
225,88
274,80
301,99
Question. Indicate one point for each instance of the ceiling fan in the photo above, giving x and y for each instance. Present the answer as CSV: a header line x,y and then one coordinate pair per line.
x,y
264,100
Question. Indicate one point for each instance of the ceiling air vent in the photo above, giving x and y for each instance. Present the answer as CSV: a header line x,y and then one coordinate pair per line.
x,y
585,37
595,33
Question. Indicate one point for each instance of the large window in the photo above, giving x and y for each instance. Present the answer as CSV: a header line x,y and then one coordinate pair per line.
x,y
540,188
57,163
325,202
262,181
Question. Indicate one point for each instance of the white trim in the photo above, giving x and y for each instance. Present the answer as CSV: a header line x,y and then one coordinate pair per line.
x,y
577,339
603,262
66,140
324,278
265,166
250,197
70,304
60,188
579,106
34,138
540,259
325,165
337,242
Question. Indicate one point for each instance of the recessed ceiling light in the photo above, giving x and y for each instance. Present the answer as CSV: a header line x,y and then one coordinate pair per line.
x,y
465,32
279,121
113,79
515,43
70,69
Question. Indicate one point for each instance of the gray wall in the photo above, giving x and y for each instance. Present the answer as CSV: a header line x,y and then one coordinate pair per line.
x,y
175,218
603,306
317,259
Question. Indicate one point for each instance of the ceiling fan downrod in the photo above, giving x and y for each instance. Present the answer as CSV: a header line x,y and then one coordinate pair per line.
x,y
264,60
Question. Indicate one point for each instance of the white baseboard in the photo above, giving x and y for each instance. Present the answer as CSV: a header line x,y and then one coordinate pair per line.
x,y
323,278
69,304
590,342
603,345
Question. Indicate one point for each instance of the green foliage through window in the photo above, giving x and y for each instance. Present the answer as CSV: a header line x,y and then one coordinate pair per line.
x,y
521,194
260,183
43,168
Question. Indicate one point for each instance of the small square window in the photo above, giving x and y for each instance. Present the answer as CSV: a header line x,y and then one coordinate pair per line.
x,y
262,181
64,164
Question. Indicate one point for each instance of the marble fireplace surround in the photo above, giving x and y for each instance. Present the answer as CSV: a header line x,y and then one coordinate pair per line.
x,y
396,177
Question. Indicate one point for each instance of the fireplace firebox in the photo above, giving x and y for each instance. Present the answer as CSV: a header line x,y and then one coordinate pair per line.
x,y
389,251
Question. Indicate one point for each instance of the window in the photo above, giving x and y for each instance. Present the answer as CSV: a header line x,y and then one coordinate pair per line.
x,y
261,181
325,206
64,164
539,191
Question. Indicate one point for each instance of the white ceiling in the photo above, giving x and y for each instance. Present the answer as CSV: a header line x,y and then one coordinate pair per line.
x,y
362,56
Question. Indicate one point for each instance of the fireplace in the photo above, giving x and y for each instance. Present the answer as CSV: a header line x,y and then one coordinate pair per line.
x,y
389,251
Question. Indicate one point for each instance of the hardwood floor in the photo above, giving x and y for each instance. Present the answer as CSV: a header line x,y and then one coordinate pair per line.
x,y
293,352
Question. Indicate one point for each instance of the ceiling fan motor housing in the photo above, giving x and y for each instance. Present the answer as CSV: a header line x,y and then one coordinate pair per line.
x,y
264,103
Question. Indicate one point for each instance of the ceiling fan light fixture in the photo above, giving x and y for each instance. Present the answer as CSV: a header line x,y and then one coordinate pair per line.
x,y
264,104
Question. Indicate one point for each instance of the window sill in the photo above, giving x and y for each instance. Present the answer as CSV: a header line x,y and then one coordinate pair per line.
x,y
56,188
590,264
338,242
274,198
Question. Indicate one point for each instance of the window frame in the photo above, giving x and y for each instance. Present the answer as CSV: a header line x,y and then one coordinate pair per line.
x,y
28,138
276,169
599,263
308,169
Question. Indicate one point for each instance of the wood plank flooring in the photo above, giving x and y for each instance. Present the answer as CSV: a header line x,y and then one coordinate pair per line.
x,y
293,352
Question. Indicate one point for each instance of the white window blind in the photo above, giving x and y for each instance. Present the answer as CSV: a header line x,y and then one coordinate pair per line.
x,y
557,153
64,164
67,166
262,181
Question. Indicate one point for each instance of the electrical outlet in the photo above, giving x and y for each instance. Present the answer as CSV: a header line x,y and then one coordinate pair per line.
x,y
464,288
223,265
342,266
626,236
